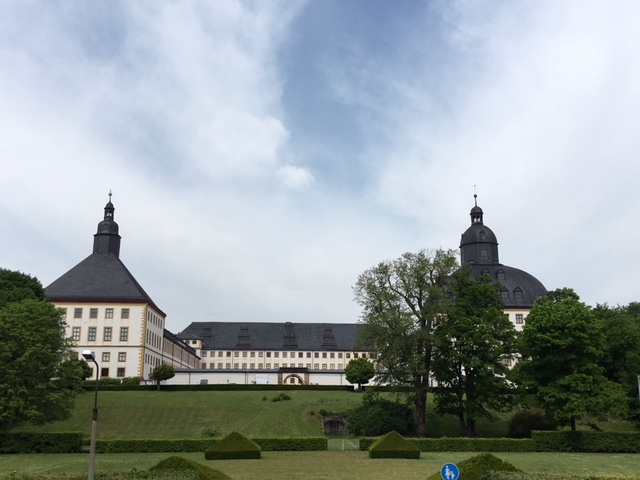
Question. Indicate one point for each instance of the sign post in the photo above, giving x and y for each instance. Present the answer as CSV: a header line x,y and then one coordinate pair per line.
x,y
449,471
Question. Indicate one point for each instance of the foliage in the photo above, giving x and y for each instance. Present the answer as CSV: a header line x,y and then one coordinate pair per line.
x,y
475,468
621,360
23,442
523,422
402,302
472,343
562,346
393,445
17,286
233,446
592,442
360,371
200,445
281,397
162,372
378,416
463,444
40,373
297,444
181,465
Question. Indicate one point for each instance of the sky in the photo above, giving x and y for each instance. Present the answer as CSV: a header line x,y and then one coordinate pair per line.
x,y
262,155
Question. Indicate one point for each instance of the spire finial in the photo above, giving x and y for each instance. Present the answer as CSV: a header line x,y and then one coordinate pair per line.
x,y
475,195
110,194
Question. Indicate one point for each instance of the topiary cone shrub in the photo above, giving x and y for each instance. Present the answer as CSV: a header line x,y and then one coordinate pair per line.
x,y
179,465
393,445
475,467
232,447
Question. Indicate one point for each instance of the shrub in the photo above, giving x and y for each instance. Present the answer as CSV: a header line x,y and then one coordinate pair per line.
x,y
475,468
596,442
393,445
181,465
280,398
27,442
299,444
233,446
154,445
524,421
463,444
378,416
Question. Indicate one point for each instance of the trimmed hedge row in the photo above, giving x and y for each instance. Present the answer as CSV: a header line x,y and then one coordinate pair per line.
x,y
553,476
465,444
223,387
593,442
23,442
200,445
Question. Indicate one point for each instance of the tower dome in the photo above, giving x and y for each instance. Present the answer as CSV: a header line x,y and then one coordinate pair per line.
x,y
107,240
479,252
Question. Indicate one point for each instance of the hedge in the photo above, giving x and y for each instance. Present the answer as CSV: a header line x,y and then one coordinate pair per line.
x,y
465,444
28,442
200,445
587,442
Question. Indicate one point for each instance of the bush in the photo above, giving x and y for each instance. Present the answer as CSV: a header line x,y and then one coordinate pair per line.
x,y
377,416
592,442
182,465
232,447
154,445
299,444
393,445
524,421
27,442
464,444
476,468
281,398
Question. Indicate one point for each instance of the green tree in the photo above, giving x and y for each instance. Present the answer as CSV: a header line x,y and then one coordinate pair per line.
x,y
473,347
17,286
562,347
359,370
378,416
162,372
40,374
621,360
403,300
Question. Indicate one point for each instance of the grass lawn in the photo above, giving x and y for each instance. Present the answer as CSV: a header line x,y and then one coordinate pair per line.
x,y
200,414
324,465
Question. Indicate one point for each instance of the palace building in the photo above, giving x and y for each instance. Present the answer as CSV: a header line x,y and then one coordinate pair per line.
x,y
109,313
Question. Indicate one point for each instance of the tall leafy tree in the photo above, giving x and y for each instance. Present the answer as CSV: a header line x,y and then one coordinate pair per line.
x,y
403,300
359,370
474,344
40,373
563,347
621,360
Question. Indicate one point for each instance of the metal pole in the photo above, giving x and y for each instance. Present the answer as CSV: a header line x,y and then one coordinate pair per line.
x,y
94,430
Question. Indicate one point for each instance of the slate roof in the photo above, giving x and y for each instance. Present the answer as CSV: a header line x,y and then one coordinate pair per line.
x,y
99,278
519,288
273,336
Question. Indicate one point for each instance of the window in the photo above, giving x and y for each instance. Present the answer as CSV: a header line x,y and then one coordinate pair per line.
x,y
260,354
316,355
227,365
324,366
316,366
340,366
268,365
324,354
284,354
93,313
76,333
92,334
204,353
244,354
519,318
77,313
276,354
108,313
252,366
121,372
276,365
300,365
236,354
203,365
122,356
340,355
348,355
284,365
124,334
308,365
104,372
219,365
355,355
308,354
228,354
260,366
268,354
211,365
244,366
253,354
124,313
236,365
106,356
221,354
332,366
332,355
107,334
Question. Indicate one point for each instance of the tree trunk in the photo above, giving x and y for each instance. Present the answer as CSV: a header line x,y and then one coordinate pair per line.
x,y
158,385
421,413
471,427
573,424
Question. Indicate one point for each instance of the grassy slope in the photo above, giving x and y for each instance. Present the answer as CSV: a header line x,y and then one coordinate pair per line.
x,y
150,414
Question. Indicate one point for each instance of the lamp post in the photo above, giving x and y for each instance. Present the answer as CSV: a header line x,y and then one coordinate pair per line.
x,y
89,356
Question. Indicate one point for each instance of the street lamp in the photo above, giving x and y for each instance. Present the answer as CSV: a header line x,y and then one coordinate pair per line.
x,y
89,356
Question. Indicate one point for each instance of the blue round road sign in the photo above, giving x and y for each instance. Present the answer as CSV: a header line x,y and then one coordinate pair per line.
x,y
450,471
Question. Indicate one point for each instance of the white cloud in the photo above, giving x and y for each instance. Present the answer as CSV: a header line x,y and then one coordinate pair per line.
x,y
296,178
